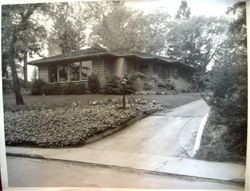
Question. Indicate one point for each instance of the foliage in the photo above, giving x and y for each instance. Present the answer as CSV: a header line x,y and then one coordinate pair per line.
x,y
52,89
183,11
198,41
93,83
68,31
37,87
79,88
70,125
228,84
42,88
21,34
122,29
114,86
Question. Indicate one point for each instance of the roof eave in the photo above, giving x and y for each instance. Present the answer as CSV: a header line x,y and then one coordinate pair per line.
x,y
38,62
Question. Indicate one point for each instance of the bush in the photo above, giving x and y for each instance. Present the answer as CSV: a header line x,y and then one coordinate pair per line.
x,y
79,88
37,86
67,89
93,83
51,89
64,89
227,83
114,86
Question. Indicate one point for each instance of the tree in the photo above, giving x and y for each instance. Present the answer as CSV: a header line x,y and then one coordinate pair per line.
x,y
198,39
122,29
183,11
154,35
115,31
69,25
228,86
16,21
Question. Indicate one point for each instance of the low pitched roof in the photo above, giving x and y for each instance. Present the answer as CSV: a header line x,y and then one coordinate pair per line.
x,y
96,52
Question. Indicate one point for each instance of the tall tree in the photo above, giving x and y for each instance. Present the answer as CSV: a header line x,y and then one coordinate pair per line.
x,y
16,21
228,97
69,25
122,29
184,11
199,38
115,31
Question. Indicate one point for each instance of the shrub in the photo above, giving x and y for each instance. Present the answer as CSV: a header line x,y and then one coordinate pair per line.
x,y
67,89
93,83
79,88
114,86
136,81
51,89
36,88
227,83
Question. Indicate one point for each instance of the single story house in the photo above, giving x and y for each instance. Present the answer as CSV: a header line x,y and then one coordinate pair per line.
x,y
77,66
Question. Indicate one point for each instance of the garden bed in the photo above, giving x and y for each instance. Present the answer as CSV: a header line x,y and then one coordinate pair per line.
x,y
69,125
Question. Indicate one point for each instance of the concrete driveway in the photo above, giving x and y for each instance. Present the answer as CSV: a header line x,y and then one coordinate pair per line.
x,y
164,133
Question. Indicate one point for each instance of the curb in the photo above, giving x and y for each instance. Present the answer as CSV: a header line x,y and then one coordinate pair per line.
x,y
191,152
128,169
199,134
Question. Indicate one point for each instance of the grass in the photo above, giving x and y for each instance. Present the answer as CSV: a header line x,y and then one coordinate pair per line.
x,y
170,100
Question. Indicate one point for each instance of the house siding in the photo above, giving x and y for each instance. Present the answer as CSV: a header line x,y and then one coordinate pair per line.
x,y
98,68
109,69
43,73
106,67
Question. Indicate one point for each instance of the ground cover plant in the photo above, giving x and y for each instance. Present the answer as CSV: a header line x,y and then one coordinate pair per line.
x,y
66,120
69,125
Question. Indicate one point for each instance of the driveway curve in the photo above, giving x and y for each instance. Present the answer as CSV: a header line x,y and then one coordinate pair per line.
x,y
162,133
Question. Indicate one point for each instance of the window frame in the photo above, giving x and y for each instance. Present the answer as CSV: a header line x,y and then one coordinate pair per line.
x,y
68,72
79,72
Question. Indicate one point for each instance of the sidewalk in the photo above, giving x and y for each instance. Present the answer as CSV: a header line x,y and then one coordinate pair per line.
x,y
216,171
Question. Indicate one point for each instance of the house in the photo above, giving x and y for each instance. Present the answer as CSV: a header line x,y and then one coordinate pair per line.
x,y
77,66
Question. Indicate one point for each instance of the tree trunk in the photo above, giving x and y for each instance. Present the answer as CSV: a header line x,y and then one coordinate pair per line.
x,y
25,70
16,84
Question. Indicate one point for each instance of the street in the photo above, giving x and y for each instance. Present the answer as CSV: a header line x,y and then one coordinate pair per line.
x,y
41,173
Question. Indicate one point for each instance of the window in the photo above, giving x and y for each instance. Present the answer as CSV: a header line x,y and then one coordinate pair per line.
x,y
74,71
52,74
86,69
63,73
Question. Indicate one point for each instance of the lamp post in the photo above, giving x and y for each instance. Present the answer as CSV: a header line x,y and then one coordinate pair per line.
x,y
124,83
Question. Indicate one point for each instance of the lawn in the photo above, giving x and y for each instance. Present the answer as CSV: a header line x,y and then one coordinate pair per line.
x,y
59,121
54,100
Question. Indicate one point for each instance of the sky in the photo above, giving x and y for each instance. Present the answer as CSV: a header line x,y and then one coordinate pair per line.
x,y
197,7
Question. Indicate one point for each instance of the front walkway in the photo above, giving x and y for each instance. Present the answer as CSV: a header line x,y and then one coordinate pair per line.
x,y
155,144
